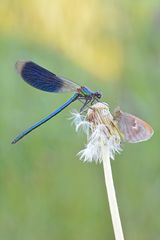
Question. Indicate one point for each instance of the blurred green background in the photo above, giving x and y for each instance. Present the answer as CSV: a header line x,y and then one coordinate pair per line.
x,y
45,191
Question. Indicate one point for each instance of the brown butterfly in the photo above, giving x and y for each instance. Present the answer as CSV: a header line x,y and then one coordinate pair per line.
x,y
133,129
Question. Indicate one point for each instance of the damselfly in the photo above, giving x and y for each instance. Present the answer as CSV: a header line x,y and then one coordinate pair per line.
x,y
45,80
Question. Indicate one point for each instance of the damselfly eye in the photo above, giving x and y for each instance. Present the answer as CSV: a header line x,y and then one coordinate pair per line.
x,y
98,94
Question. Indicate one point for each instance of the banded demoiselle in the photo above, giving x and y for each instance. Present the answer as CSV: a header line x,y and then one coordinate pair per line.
x,y
41,78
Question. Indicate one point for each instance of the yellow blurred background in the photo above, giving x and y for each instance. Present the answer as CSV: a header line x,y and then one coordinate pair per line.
x,y
112,46
85,31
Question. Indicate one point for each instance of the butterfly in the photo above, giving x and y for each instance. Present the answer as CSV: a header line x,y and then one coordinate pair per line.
x,y
132,128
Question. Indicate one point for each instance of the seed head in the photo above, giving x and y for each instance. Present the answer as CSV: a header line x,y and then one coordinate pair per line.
x,y
102,133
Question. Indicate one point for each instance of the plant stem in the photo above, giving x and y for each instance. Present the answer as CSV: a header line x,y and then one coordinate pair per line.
x,y
118,232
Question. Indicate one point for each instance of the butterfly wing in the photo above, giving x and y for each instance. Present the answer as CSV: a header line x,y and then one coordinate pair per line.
x,y
41,78
133,128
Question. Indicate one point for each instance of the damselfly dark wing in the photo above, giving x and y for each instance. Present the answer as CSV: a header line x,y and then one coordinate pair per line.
x,y
43,79
133,128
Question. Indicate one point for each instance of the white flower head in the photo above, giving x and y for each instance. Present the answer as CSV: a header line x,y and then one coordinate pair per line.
x,y
102,133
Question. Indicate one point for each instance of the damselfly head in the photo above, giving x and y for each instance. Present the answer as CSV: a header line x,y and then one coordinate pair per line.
x,y
132,128
98,95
